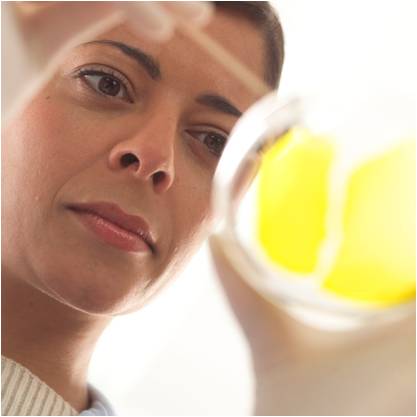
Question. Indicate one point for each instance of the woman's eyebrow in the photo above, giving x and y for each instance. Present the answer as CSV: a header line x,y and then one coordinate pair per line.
x,y
146,61
218,103
152,67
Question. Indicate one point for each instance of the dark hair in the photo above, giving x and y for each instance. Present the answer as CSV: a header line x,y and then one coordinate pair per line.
x,y
266,20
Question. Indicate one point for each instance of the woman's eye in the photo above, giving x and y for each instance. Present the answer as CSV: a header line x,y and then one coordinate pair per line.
x,y
105,84
215,142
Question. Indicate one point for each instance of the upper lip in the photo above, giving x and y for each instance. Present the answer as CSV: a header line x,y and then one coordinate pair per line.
x,y
113,213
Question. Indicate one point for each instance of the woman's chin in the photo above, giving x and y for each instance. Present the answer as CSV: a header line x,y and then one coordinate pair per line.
x,y
95,293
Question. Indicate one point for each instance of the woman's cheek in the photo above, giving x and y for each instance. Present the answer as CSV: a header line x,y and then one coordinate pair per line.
x,y
49,144
30,155
192,192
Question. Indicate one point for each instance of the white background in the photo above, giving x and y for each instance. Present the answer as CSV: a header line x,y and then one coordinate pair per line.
x,y
184,354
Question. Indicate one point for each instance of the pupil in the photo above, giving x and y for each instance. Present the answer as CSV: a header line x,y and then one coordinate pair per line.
x,y
215,143
109,85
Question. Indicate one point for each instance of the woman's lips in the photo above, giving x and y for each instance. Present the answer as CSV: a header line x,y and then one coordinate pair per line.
x,y
110,232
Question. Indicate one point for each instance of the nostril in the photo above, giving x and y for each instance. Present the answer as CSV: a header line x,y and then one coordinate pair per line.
x,y
158,177
128,159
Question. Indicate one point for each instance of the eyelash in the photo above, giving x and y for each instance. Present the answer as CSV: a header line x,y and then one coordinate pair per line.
x,y
219,139
210,135
83,73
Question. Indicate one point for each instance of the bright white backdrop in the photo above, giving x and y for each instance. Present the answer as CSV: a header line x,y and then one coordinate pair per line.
x,y
184,354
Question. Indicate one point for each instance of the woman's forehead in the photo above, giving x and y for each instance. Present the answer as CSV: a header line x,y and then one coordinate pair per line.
x,y
185,65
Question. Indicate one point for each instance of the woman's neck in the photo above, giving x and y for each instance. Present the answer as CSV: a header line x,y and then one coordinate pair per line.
x,y
54,341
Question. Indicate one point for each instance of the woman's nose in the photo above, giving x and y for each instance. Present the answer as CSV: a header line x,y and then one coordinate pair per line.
x,y
148,154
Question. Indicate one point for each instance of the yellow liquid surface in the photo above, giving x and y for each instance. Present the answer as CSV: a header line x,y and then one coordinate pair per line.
x,y
375,261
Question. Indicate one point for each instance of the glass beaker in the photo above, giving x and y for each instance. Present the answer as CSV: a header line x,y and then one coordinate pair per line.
x,y
316,198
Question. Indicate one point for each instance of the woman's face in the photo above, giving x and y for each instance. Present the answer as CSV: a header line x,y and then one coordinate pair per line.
x,y
141,126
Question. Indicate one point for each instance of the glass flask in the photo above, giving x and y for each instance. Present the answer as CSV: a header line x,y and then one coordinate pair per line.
x,y
315,201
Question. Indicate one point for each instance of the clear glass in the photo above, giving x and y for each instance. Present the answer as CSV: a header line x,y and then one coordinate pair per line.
x,y
360,128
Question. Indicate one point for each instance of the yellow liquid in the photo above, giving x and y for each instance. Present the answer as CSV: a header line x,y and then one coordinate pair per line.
x,y
375,261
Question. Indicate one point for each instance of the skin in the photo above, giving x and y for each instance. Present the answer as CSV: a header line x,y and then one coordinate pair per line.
x,y
63,285
301,370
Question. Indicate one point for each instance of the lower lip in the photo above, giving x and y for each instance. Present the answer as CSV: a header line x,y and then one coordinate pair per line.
x,y
112,234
